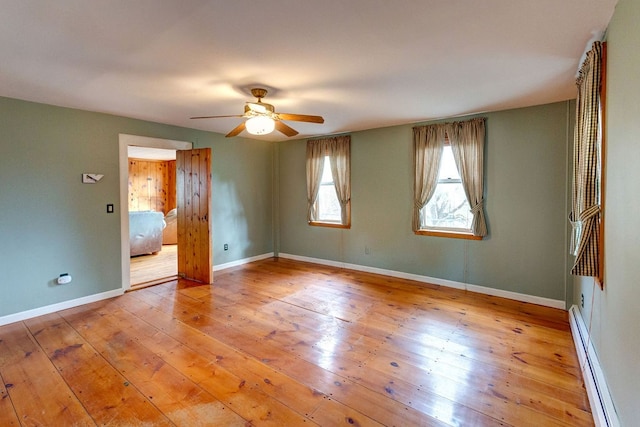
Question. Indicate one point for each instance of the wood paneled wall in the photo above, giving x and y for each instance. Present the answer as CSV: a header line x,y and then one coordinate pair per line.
x,y
152,185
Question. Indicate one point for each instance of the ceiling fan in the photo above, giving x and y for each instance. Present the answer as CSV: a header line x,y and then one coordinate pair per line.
x,y
262,118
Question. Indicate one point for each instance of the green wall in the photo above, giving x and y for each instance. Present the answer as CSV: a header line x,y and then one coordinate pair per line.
x,y
51,223
242,196
614,316
526,179
54,224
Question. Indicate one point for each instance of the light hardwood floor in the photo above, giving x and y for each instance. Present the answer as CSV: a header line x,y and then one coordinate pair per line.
x,y
152,267
284,343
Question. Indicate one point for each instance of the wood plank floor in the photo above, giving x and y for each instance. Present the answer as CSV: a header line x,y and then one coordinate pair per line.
x,y
148,268
285,343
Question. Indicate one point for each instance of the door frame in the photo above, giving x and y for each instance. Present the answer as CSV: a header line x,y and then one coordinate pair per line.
x,y
125,140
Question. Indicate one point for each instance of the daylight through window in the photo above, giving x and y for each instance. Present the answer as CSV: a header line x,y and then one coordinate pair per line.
x,y
328,204
448,209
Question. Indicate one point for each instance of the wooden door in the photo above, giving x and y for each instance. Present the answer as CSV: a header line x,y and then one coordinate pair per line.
x,y
193,182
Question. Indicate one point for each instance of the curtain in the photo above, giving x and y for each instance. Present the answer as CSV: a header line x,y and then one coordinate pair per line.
x,y
467,144
315,167
585,207
340,161
428,142
339,151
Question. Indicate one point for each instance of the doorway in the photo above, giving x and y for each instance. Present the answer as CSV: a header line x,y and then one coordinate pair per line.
x,y
152,215
132,267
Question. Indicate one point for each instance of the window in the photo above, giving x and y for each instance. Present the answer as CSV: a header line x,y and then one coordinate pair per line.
x,y
329,182
449,180
587,198
448,209
327,204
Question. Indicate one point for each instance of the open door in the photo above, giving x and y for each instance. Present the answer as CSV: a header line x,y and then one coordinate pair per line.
x,y
193,182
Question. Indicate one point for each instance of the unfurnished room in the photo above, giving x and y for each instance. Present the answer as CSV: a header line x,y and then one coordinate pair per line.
x,y
287,213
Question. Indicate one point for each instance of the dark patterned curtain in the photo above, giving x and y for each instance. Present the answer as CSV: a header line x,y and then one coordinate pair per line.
x,y
585,211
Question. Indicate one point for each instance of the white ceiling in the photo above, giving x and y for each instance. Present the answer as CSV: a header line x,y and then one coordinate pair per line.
x,y
359,63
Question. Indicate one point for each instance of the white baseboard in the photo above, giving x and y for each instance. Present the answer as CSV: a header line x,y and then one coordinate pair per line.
x,y
242,261
16,317
548,302
602,408
24,315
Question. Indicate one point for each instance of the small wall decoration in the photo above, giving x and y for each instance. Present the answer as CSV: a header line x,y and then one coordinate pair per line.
x,y
91,178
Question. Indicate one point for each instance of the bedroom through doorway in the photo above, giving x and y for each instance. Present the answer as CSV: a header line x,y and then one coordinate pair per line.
x,y
152,210
148,208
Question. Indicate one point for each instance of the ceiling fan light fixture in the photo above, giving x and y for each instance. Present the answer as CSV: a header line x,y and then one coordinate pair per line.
x,y
260,125
261,118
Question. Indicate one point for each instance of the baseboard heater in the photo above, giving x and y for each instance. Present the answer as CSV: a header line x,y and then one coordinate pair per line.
x,y
604,413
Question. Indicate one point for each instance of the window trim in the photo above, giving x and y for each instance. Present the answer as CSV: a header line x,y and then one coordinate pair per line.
x,y
332,224
445,231
328,223
603,162
335,224
331,184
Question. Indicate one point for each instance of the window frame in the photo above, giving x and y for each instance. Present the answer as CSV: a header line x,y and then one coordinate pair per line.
x,y
330,223
446,231
328,145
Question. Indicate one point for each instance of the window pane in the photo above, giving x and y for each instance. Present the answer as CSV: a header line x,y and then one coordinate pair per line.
x,y
327,178
328,204
448,168
448,208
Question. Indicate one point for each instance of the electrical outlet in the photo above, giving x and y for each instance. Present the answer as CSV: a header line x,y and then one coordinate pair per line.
x,y
582,300
367,250
226,246
64,278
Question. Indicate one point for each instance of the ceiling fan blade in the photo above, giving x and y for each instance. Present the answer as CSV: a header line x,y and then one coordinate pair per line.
x,y
287,130
236,130
300,118
216,117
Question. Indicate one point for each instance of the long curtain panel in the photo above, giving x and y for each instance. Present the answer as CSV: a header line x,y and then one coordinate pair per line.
x,y
467,144
340,161
315,167
585,208
428,143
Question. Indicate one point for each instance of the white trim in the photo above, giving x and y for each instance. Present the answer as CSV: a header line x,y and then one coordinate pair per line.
x,y
602,408
242,261
24,315
402,275
548,302
125,141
